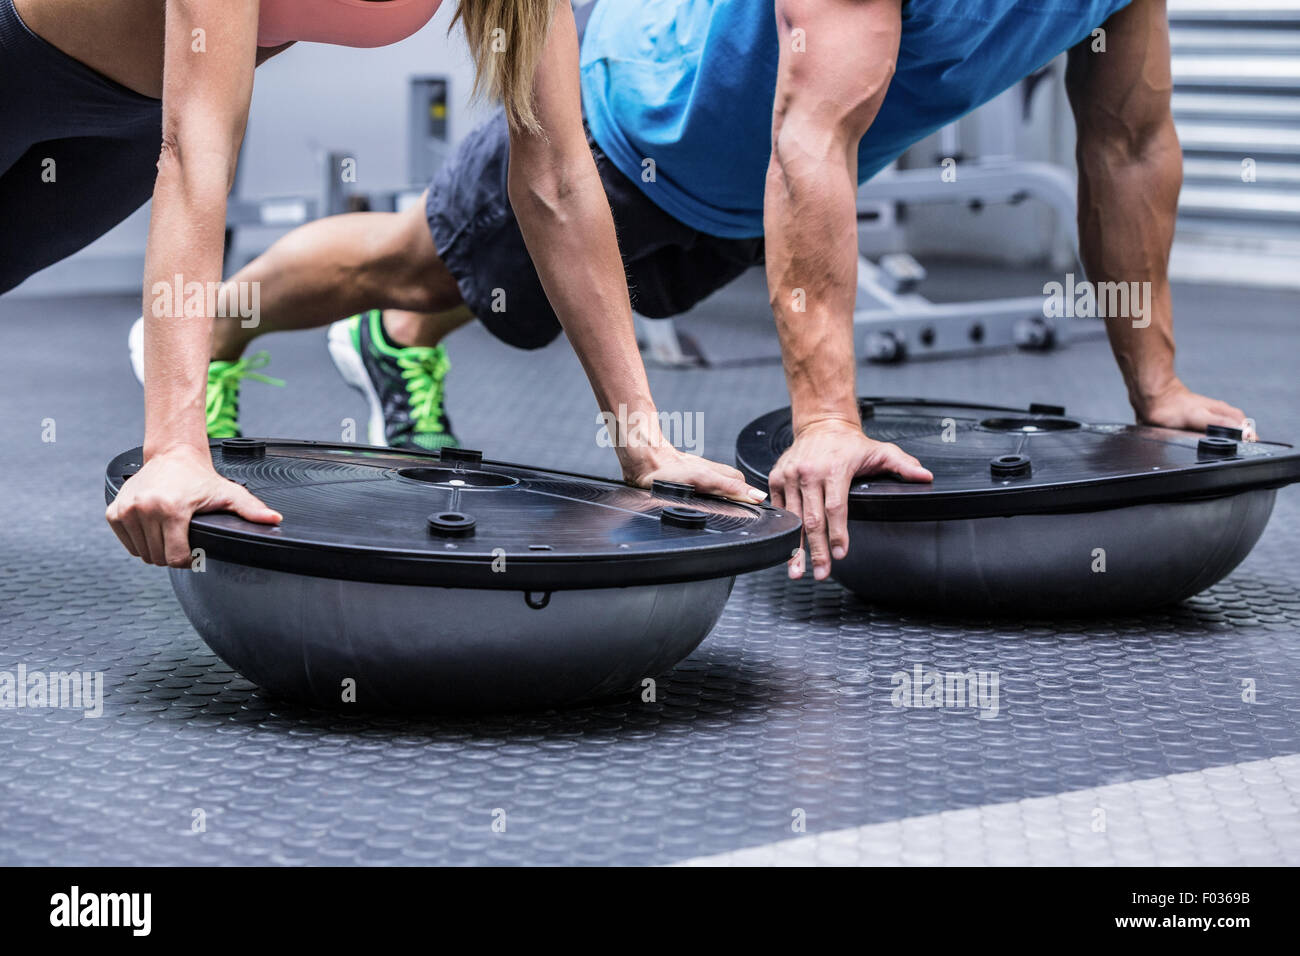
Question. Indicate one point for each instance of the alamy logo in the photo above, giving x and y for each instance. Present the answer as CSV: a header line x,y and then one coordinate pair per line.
x,y
1091,300
74,690
624,429
953,689
181,299
75,908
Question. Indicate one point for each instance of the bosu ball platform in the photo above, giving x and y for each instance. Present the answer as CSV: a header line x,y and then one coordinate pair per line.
x,y
443,582
1035,512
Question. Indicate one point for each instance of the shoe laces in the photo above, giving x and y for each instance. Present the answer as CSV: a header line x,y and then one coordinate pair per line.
x,y
424,370
223,387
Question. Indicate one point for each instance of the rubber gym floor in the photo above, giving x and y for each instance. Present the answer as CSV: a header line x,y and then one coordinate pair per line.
x,y
1118,740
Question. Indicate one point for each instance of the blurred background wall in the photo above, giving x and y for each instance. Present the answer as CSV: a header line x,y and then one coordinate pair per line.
x,y
307,101
1237,105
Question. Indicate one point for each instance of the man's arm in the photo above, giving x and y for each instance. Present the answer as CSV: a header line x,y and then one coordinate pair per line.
x,y
565,219
1130,172
836,60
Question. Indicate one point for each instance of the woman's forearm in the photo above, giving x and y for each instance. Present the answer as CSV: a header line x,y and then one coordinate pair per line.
x,y
182,262
565,219
206,91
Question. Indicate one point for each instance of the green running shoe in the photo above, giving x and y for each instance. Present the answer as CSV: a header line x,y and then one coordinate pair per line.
x,y
404,387
223,392
223,383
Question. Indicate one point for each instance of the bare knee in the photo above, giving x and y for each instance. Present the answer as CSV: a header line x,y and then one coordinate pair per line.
x,y
407,271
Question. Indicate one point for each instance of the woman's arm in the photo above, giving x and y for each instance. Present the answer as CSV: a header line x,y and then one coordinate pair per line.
x,y
208,63
566,223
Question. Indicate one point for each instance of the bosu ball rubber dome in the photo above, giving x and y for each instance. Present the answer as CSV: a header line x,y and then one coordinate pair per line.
x,y
443,582
1035,512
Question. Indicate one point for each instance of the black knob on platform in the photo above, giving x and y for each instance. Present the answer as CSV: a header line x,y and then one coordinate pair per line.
x,y
451,524
1037,408
243,448
683,517
1216,448
461,456
1223,431
671,489
1011,466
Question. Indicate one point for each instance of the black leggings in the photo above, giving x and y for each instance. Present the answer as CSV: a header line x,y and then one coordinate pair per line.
x,y
77,152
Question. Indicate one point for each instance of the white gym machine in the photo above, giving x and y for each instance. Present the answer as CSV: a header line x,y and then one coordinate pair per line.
x,y
893,320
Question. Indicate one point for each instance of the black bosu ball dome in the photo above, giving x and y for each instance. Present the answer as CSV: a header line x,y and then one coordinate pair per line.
x,y
442,582
1034,512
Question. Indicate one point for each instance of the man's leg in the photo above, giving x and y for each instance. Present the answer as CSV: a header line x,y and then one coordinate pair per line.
x,y
343,265
423,329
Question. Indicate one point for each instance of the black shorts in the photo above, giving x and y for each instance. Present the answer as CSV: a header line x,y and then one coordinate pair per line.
x,y
78,154
670,266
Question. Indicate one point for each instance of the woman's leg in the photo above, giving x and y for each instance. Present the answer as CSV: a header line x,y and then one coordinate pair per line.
x,y
342,265
63,194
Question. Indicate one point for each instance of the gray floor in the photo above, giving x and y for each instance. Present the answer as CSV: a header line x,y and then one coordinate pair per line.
x,y
782,715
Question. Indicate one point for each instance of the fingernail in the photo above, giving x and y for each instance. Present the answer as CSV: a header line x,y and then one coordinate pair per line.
x,y
838,553
756,495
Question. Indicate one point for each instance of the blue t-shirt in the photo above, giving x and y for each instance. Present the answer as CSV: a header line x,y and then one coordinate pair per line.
x,y
689,84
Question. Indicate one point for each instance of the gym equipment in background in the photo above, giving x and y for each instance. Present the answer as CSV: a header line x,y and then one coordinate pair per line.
x,y
894,321
427,143
1034,512
442,582
427,138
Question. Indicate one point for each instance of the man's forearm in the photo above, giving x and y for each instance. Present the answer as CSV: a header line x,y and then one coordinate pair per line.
x,y
1128,204
810,219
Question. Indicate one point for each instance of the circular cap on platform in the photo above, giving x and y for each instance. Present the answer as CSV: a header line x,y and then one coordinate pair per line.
x,y
672,489
243,448
1223,431
1076,465
465,456
1011,466
684,517
1216,448
455,520
451,524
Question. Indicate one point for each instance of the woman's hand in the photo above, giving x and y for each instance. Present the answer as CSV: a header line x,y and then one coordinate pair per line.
x,y
1179,407
666,463
151,514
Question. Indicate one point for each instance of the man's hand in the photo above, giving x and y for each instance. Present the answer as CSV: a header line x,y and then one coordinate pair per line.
x,y
812,480
1179,407
708,477
827,96
151,514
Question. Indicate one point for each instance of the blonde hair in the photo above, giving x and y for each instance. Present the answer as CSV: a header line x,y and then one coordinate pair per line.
x,y
506,39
